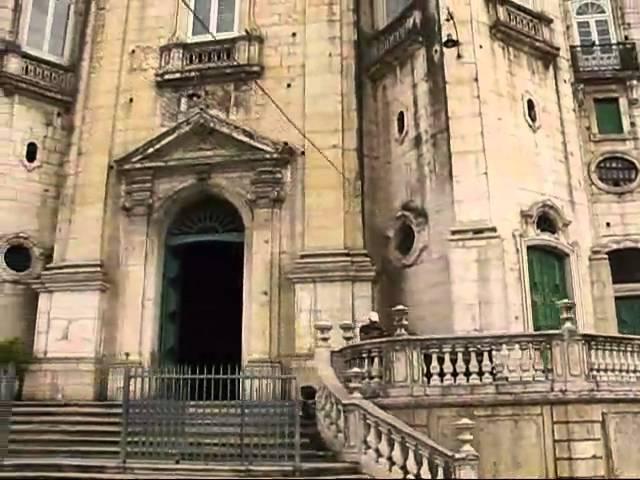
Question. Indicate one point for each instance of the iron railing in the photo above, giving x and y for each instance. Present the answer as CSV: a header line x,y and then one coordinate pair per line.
x,y
223,415
8,382
605,59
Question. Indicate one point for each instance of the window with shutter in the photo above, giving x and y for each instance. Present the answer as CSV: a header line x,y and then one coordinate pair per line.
x,y
213,16
608,116
548,285
47,27
625,274
594,24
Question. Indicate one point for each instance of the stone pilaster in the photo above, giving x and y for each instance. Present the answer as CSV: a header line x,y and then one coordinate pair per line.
x,y
604,308
69,332
331,287
261,328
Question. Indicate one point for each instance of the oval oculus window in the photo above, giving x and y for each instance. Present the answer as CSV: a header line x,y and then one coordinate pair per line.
x,y
616,172
18,258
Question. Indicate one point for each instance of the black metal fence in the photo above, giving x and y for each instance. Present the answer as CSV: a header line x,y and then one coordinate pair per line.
x,y
223,414
604,59
8,384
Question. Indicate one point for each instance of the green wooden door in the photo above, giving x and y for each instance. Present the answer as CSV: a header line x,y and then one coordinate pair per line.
x,y
628,313
548,283
170,313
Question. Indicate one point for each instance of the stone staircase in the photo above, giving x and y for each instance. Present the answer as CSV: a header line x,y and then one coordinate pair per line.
x,y
82,440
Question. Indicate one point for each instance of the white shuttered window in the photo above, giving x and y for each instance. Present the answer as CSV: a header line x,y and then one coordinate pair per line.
x,y
47,27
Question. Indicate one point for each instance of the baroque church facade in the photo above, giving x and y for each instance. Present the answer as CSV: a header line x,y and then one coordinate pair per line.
x,y
207,182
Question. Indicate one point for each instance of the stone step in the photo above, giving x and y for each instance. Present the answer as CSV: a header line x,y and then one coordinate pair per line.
x,y
105,469
65,419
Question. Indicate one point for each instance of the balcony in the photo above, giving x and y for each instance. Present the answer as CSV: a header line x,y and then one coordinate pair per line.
x,y
28,74
237,58
397,40
605,61
517,25
476,368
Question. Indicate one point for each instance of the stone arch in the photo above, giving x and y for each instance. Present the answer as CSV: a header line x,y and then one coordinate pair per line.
x,y
164,213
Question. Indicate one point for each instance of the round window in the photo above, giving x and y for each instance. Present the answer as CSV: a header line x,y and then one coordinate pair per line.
x,y
405,239
616,172
18,258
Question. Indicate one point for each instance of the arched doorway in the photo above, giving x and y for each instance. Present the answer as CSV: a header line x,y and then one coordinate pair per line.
x,y
202,287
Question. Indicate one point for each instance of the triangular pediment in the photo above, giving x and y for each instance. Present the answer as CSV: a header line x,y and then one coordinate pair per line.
x,y
203,137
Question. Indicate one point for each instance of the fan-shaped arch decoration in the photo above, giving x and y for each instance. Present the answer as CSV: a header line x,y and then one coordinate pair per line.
x,y
590,9
212,217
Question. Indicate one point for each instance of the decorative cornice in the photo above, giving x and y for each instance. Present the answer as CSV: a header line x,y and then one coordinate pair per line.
x,y
72,277
333,266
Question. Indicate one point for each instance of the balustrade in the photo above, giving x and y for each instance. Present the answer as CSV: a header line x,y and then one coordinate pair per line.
x,y
437,366
236,57
24,72
604,60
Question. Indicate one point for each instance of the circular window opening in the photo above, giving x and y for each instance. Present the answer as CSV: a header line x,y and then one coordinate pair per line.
x,y
18,258
405,239
401,123
532,111
616,171
544,223
31,154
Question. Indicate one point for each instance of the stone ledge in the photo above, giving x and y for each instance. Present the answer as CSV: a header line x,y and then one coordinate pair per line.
x,y
333,266
72,277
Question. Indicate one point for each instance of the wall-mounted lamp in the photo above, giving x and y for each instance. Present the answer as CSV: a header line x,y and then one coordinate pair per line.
x,y
451,41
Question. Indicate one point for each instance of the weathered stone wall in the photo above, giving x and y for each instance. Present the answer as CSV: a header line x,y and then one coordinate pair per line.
x,y
575,440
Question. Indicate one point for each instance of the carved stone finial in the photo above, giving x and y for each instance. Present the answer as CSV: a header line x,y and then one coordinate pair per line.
x,y
355,376
567,316
465,427
348,332
267,187
400,320
323,334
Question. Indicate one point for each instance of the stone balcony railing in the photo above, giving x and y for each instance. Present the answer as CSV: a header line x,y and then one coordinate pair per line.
x,y
516,24
226,59
467,367
398,39
605,61
32,75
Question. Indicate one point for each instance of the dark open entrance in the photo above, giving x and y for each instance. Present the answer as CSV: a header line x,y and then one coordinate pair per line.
x,y
201,323
210,330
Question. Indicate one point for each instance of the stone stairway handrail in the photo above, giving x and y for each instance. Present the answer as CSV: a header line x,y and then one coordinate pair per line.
x,y
385,446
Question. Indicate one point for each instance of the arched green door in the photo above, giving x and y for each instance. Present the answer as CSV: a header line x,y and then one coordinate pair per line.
x,y
201,311
548,284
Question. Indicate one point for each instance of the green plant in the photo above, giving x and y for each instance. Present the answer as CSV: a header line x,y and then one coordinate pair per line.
x,y
13,351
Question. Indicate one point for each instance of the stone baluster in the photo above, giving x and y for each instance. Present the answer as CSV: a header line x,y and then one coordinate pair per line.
x,y
411,464
635,361
400,320
398,456
376,368
425,470
372,441
526,361
608,362
487,367
499,357
384,448
467,464
447,366
435,367
539,373
461,368
474,367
